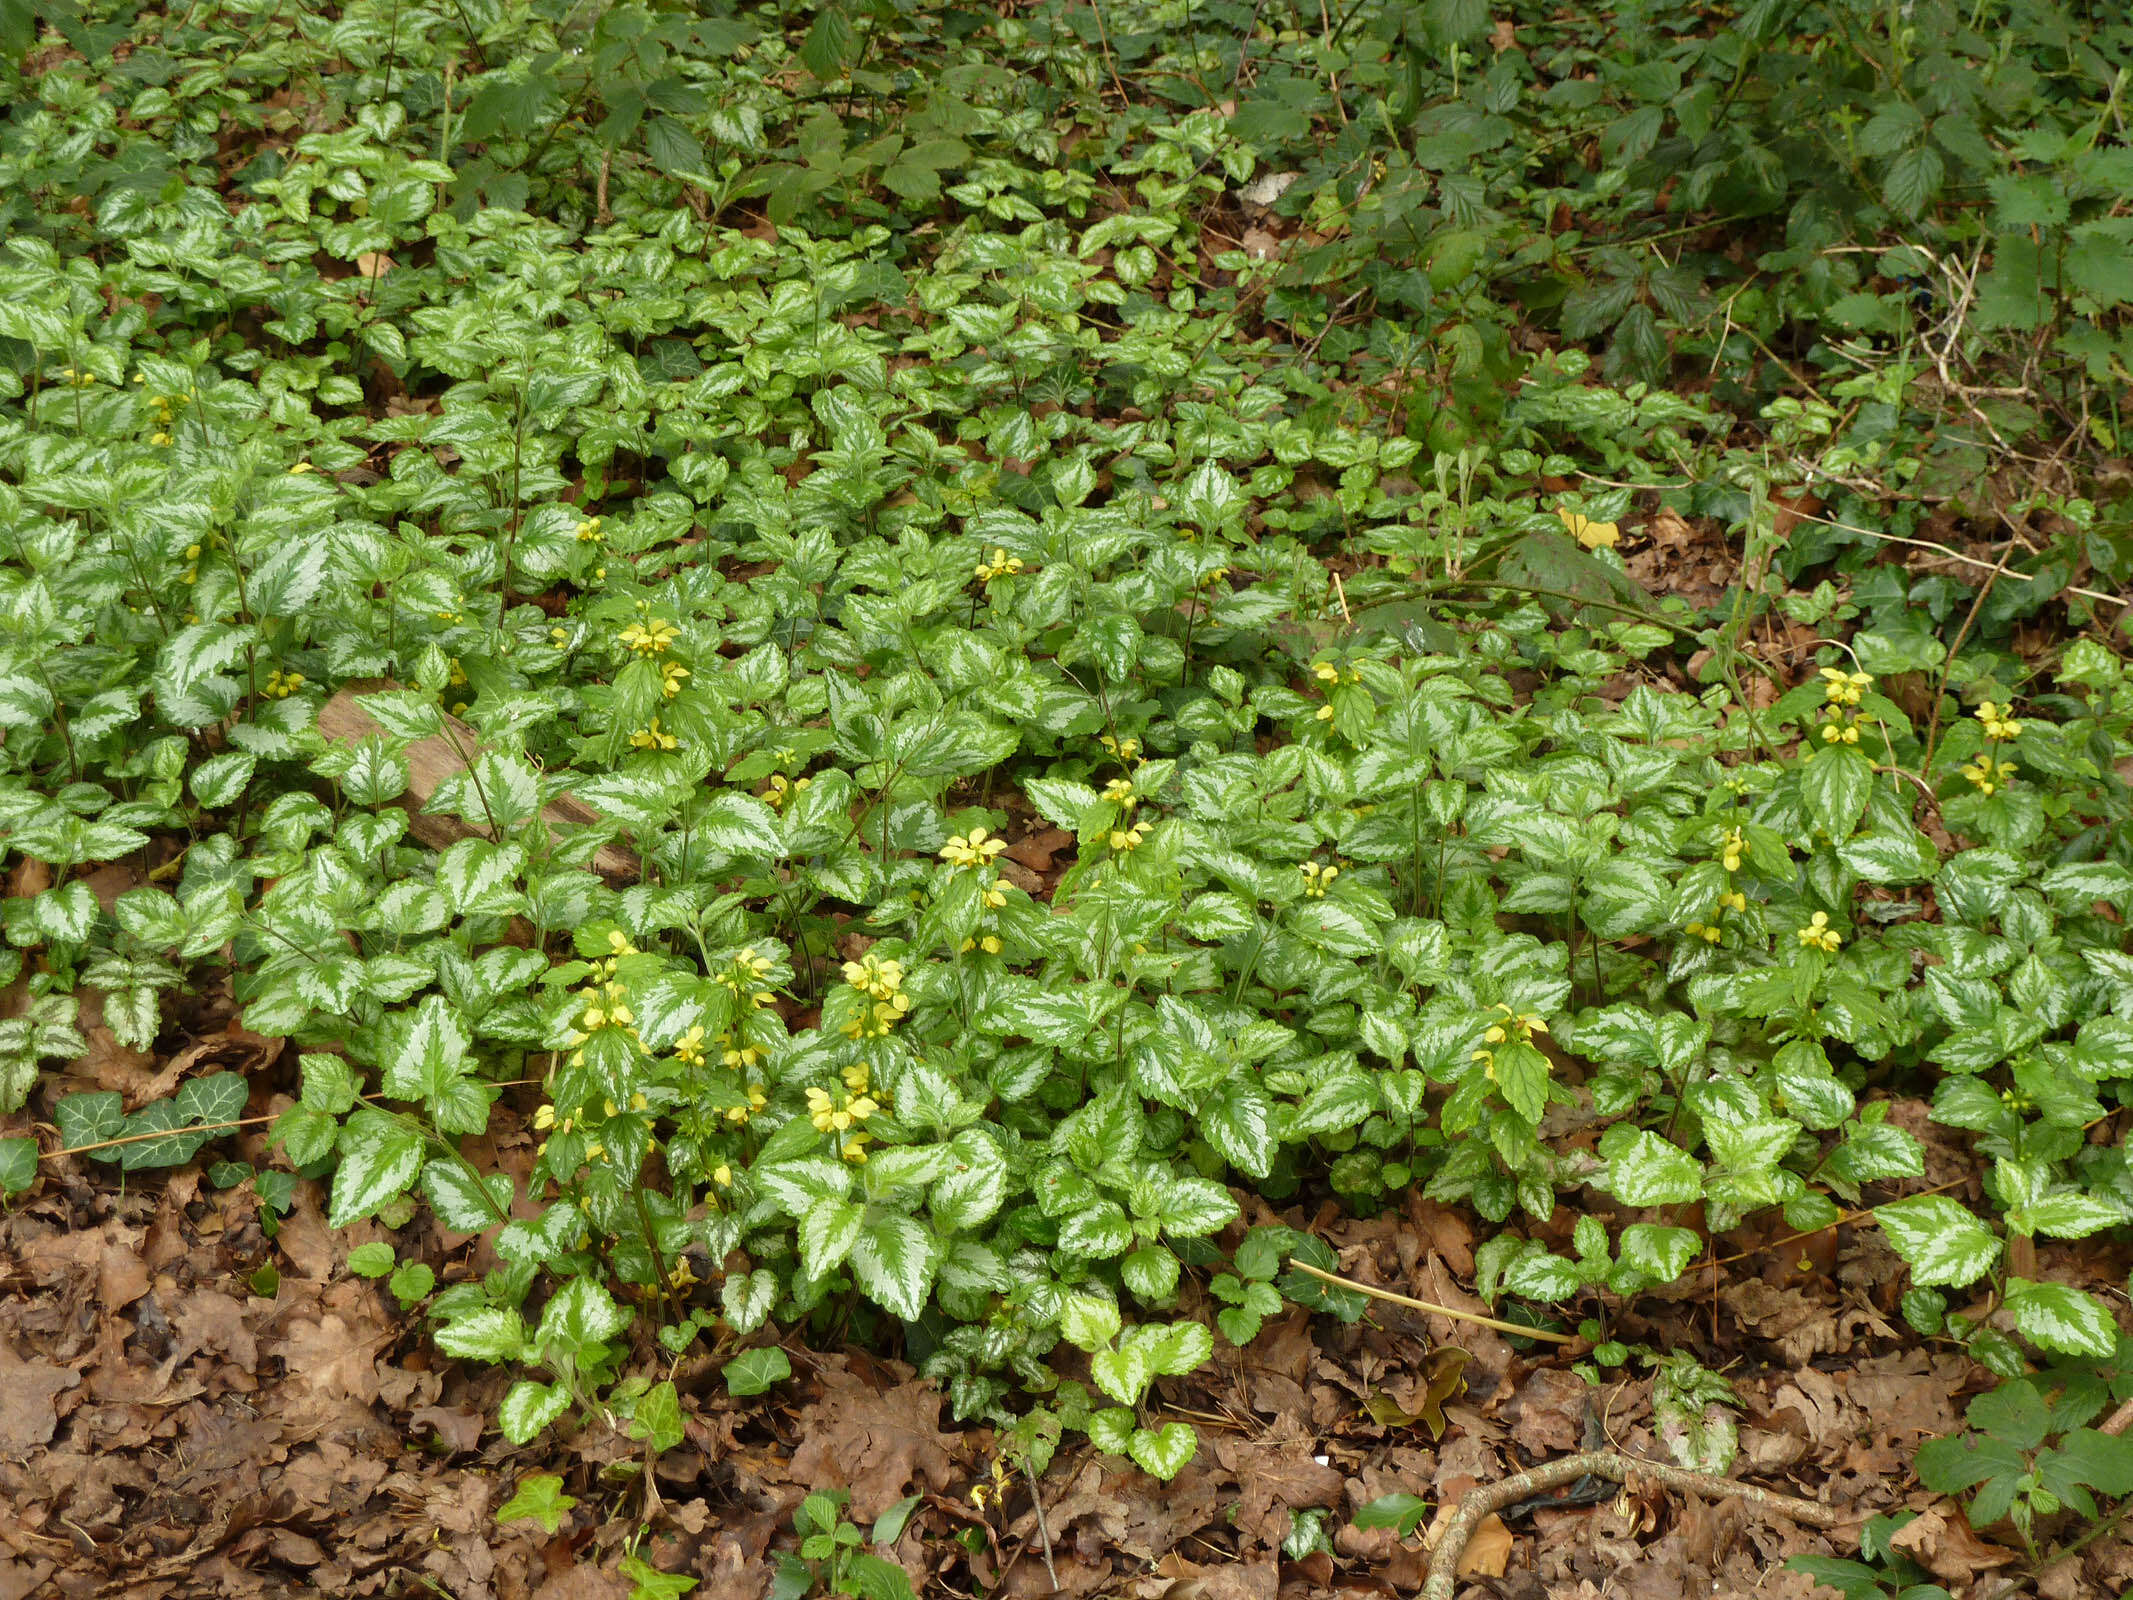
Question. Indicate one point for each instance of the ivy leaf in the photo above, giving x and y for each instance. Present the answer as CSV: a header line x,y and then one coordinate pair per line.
x,y
539,1498
752,1372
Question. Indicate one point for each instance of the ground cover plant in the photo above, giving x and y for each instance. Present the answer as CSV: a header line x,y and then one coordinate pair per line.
x,y
934,681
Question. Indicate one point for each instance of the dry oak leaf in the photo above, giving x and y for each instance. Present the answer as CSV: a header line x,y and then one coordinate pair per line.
x,y
28,1416
876,1444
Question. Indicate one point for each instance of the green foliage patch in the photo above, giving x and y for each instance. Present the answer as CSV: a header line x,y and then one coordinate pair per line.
x,y
838,447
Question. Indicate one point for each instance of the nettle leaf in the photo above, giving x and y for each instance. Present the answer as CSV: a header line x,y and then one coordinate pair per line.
x,y
828,1231
747,1298
1645,1170
1943,1242
2059,1317
528,1407
495,1333
893,1260
1835,785
581,1317
739,825
1163,1452
381,1155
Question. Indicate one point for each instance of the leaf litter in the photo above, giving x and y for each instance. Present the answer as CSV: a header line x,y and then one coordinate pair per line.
x,y
167,1430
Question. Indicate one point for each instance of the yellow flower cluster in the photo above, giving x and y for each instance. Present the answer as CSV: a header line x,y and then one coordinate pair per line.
x,y
1525,1025
654,737
748,974
1128,749
1127,840
838,1114
1999,725
589,530
973,849
606,1007
689,1048
559,637
1840,729
1317,878
1730,850
670,676
74,379
1120,792
280,685
1989,775
998,564
649,638
782,789
990,944
1841,688
882,983
1819,935
1709,931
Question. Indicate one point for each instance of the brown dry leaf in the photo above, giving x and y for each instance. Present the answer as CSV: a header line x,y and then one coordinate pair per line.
x,y
28,1391
1278,1473
877,1444
1801,1326
332,1361
374,264
1547,1414
1948,1548
1488,1552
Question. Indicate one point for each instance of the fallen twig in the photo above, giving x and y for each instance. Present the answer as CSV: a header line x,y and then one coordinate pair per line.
x,y
1491,1497
1474,1317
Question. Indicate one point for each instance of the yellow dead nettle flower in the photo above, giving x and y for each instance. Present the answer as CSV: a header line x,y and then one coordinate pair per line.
x,y
618,943
280,685
1819,935
649,638
159,438
559,637
997,564
670,676
1840,729
1592,535
831,1115
981,1493
301,467
722,1175
781,790
740,1057
1989,775
1124,749
544,1118
875,977
1127,840
877,1020
654,738
1522,1025
995,894
1730,850
689,1048
589,530
1841,688
857,1077
1999,725
683,1275
1701,930
990,944
855,1150
756,1101
973,849
1119,791
1316,879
